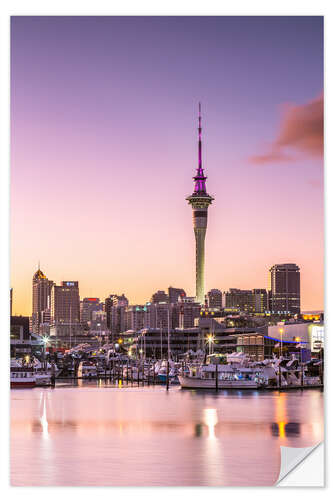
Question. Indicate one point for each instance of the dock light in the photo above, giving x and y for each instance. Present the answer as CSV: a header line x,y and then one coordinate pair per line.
x,y
141,351
120,341
298,339
27,358
45,340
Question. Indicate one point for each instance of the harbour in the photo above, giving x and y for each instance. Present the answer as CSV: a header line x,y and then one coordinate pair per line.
x,y
107,434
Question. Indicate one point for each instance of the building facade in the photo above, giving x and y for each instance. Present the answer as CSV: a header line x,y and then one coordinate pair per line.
x,y
159,296
285,289
215,299
87,306
41,300
65,309
240,299
175,294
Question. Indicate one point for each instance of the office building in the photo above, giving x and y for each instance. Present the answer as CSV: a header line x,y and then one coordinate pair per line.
x,y
65,309
215,299
175,294
285,289
41,298
87,306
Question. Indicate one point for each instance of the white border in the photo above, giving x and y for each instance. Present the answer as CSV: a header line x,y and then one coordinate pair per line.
x,y
144,7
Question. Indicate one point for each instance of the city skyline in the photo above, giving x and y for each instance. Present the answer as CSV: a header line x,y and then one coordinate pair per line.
x,y
100,171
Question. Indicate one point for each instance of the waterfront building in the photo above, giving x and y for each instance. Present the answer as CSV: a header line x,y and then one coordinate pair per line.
x,y
175,294
215,299
41,298
65,309
285,288
159,296
200,201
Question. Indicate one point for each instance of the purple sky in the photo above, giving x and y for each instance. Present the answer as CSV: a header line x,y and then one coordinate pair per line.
x,y
104,147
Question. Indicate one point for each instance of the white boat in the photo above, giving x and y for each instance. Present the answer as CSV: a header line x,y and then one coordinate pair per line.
x,y
87,370
228,377
21,376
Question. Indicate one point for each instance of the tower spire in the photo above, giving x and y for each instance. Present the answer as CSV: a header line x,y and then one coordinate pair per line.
x,y
199,144
200,179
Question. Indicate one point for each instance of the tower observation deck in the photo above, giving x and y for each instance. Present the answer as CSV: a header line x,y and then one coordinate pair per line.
x,y
200,201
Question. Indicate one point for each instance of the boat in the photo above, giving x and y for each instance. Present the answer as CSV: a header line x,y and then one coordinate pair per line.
x,y
87,370
22,376
228,377
163,370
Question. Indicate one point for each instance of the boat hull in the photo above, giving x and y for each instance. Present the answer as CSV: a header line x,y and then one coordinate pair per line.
x,y
22,385
198,383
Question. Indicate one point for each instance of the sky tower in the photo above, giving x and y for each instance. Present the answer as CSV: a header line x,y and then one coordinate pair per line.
x,y
200,201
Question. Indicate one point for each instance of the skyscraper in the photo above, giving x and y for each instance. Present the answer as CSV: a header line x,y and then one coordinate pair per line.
x,y
65,309
285,288
215,298
200,201
87,306
41,299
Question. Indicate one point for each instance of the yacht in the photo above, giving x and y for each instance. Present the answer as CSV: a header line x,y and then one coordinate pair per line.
x,y
21,376
228,377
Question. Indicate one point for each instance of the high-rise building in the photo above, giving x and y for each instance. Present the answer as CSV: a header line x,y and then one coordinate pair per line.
x,y
157,315
200,201
175,294
260,300
87,306
41,299
115,306
241,299
184,313
215,298
285,289
65,309
135,317
159,296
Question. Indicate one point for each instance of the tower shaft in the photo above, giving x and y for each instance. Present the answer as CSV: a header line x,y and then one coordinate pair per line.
x,y
200,234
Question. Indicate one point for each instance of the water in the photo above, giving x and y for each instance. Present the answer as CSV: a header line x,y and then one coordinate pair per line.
x,y
98,434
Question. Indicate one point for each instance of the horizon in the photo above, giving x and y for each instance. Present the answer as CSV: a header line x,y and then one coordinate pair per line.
x,y
104,149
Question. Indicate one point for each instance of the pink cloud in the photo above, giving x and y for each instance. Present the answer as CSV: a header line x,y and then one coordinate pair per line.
x,y
301,129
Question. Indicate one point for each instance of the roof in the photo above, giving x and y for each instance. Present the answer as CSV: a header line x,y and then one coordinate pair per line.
x,y
39,275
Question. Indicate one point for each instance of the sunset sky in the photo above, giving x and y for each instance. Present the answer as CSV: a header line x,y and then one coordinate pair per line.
x,y
104,148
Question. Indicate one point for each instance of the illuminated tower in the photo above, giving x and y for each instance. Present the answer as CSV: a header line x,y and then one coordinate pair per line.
x,y
200,201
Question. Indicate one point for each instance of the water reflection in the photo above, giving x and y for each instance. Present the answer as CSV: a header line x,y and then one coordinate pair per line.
x,y
283,429
210,419
146,436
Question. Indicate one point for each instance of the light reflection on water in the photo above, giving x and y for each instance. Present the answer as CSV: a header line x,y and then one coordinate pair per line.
x,y
102,435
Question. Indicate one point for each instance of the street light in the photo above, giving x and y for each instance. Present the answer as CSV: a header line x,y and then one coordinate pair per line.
x,y
210,341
